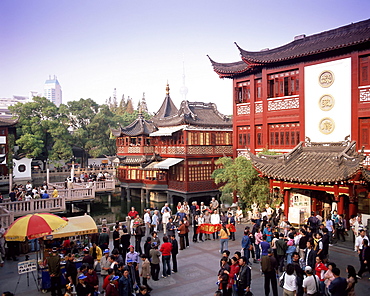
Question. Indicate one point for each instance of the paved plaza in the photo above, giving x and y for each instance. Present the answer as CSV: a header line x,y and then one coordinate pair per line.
x,y
197,271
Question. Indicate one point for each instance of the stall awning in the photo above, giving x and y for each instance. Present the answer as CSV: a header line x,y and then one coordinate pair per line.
x,y
169,162
167,131
80,225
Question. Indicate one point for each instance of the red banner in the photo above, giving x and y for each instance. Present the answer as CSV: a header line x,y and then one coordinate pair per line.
x,y
231,227
209,228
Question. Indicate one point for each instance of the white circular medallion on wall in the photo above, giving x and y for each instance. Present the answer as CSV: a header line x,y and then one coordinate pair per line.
x,y
326,125
326,102
326,78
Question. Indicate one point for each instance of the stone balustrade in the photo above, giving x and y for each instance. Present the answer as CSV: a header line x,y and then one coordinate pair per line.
x,y
6,217
21,208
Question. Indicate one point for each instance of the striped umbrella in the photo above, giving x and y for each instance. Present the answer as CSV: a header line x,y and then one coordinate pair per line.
x,y
34,226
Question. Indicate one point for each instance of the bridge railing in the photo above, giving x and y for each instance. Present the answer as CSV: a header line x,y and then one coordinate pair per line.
x,y
77,194
107,185
6,217
20,208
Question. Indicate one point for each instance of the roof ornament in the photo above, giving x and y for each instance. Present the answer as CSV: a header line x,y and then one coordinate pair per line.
x,y
167,89
347,139
308,142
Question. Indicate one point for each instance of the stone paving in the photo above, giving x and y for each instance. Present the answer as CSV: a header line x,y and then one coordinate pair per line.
x,y
197,271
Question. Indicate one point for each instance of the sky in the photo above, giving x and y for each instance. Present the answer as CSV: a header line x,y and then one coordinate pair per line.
x,y
138,46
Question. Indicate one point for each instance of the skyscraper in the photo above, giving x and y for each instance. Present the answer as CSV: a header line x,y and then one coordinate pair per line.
x,y
53,90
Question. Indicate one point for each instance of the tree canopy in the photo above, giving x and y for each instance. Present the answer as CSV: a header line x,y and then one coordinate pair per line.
x,y
42,131
238,176
46,131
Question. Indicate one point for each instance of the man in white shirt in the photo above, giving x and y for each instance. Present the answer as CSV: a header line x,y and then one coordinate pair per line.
x,y
147,222
311,282
215,219
166,207
28,186
165,219
359,239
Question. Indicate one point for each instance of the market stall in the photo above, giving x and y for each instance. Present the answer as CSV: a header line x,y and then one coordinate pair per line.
x,y
77,227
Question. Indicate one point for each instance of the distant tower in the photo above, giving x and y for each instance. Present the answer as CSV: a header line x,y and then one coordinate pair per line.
x,y
115,94
143,106
183,88
53,90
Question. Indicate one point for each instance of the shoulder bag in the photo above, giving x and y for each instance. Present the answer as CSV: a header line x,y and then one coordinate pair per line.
x,y
317,293
282,281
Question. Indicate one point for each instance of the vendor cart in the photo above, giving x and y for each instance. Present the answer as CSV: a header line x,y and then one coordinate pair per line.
x,y
77,226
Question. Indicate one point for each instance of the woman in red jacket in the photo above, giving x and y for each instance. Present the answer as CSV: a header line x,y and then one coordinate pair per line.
x,y
165,249
234,269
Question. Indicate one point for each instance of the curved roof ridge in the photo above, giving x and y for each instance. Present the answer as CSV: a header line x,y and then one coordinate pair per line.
x,y
340,37
140,126
227,70
310,162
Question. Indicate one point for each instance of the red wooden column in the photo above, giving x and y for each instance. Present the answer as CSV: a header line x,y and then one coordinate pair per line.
x,y
313,204
286,202
338,199
352,208
340,205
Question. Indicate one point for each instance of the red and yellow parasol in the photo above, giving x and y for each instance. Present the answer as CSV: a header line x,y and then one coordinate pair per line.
x,y
34,226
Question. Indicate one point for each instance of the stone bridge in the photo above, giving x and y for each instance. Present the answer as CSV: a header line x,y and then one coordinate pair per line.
x,y
81,192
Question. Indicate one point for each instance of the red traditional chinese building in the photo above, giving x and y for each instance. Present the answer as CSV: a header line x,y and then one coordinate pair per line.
x,y
174,152
316,88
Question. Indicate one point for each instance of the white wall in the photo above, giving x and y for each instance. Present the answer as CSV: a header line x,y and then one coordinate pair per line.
x,y
27,164
340,91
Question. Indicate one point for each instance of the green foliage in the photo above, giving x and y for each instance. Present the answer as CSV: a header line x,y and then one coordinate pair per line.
x,y
46,131
40,126
239,176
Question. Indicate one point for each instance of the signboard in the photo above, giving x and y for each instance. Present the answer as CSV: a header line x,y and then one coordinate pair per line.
x,y
299,208
27,266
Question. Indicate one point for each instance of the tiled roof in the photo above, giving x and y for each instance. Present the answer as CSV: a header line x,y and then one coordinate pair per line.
x,y
167,109
7,121
228,70
312,163
138,127
203,114
197,114
142,160
366,174
352,35
341,37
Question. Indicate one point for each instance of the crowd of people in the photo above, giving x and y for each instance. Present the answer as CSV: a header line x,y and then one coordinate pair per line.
x,y
296,259
27,192
127,268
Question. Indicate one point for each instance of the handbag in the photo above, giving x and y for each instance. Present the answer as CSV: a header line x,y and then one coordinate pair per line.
x,y
282,281
250,247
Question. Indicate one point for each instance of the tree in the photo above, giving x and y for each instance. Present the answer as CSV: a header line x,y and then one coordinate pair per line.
x,y
129,106
238,176
81,113
99,139
42,131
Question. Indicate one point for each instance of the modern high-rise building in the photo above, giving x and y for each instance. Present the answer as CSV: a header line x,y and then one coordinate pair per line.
x,y
53,90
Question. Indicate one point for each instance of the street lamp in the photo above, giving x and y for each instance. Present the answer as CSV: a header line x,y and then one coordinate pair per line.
x,y
47,162
73,168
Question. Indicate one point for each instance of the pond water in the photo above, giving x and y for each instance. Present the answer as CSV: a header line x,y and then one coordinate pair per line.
x,y
117,208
